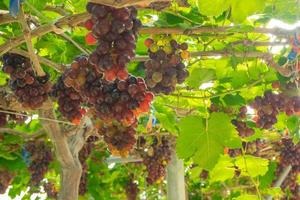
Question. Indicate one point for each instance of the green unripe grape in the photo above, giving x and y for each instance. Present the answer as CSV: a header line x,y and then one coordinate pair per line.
x,y
168,49
154,48
157,77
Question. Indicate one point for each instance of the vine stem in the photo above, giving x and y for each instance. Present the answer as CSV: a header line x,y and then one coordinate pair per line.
x,y
221,94
41,118
251,178
24,135
42,60
27,36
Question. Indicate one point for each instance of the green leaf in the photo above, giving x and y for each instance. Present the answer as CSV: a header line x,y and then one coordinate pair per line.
x,y
212,8
293,123
191,130
223,170
199,76
267,179
252,166
234,100
247,197
218,134
195,173
241,9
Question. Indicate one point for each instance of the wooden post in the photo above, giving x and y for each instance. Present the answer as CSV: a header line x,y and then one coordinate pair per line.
x,y
175,179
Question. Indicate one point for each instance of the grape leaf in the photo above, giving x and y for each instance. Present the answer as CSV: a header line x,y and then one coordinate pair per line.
x,y
252,166
217,135
191,131
212,8
223,170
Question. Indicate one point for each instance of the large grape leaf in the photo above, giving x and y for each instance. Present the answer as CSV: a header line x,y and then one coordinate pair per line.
x,y
199,76
212,8
241,9
218,134
191,131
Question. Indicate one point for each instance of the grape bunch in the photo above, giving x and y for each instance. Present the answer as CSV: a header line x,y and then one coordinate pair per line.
x,y
290,155
242,128
40,158
269,106
5,179
165,68
30,90
84,154
69,101
115,31
131,189
3,119
121,100
120,139
51,190
156,159
76,75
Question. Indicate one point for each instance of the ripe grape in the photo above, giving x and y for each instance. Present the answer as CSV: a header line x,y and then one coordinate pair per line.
x,y
40,158
156,159
5,180
271,104
131,189
165,68
120,139
116,33
51,190
30,90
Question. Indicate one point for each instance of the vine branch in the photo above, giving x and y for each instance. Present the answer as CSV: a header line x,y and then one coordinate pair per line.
x,y
42,60
27,36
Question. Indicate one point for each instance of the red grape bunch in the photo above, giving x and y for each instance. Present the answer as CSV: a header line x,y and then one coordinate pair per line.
x,y
40,158
243,129
115,32
69,101
120,139
31,90
84,154
271,104
76,75
290,155
165,68
131,189
5,118
51,190
5,180
121,100
156,159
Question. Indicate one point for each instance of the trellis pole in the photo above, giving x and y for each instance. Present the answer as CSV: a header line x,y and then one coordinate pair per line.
x,y
175,179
